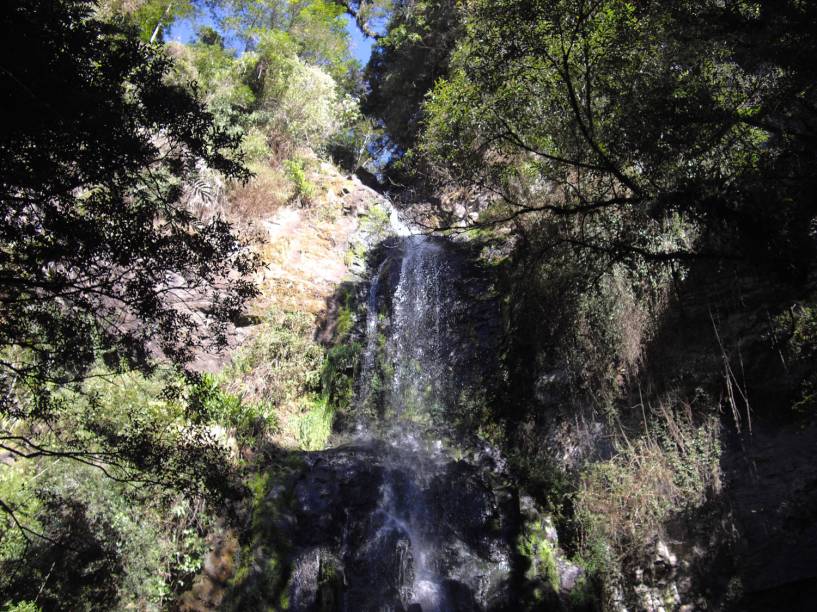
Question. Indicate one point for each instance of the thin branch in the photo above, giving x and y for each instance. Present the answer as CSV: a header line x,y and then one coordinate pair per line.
x,y
24,531
159,23
359,19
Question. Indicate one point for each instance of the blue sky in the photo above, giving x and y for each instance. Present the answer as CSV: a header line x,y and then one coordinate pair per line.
x,y
184,31
361,45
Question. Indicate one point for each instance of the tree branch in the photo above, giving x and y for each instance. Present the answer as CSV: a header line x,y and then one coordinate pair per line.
x,y
359,20
25,530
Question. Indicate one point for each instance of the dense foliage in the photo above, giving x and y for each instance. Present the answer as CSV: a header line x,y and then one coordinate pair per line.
x,y
94,236
151,18
405,65
631,116
615,153
100,260
118,266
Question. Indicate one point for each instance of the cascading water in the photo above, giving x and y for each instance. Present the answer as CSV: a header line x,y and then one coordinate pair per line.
x,y
405,520
420,328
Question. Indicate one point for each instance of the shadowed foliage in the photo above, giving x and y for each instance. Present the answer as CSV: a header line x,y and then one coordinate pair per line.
x,y
78,566
99,258
406,63
636,118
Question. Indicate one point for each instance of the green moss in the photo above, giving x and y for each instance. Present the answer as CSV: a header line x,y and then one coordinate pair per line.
x,y
534,544
330,585
547,558
261,581
315,426
338,374
345,323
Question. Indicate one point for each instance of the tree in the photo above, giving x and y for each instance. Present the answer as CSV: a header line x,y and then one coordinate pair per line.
x,y
643,130
78,567
98,255
405,65
315,28
152,17
367,14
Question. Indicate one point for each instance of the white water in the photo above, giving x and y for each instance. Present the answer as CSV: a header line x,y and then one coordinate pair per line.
x,y
415,350
420,327
425,532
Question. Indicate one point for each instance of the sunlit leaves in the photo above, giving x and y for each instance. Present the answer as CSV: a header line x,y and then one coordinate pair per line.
x,y
315,29
659,109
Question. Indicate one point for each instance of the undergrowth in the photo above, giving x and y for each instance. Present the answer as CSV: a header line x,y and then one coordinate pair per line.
x,y
147,540
663,470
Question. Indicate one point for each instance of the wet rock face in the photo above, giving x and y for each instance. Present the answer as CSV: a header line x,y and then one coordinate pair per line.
x,y
371,534
334,485
469,510
432,303
412,514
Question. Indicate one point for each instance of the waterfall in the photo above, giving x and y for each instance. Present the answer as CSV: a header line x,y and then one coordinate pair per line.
x,y
414,526
416,353
419,329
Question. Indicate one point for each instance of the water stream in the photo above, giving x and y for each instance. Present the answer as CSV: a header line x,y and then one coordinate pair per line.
x,y
400,518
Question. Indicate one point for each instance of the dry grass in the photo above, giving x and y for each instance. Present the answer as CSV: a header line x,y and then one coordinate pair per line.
x,y
261,196
629,496
632,322
671,466
301,244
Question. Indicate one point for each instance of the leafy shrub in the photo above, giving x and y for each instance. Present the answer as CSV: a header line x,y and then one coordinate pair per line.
x,y
17,490
310,110
154,543
794,334
150,540
76,566
212,404
304,190
280,363
349,146
255,146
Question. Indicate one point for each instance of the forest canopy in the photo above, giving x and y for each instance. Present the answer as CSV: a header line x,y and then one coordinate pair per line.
x,y
632,116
